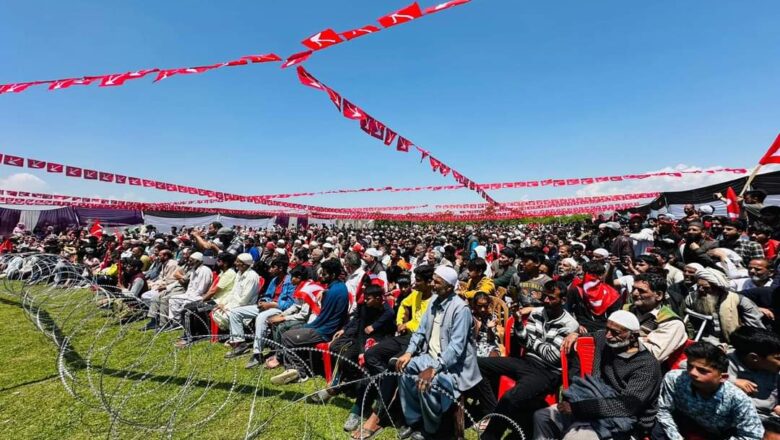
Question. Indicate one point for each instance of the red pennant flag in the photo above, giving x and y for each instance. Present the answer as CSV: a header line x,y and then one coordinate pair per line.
x,y
191,190
65,83
322,39
203,192
546,182
732,203
334,97
444,169
771,155
90,174
390,136
532,184
296,59
435,164
445,5
120,178
373,127
54,167
16,88
167,73
359,32
210,193
423,153
352,111
159,185
586,181
308,292
181,189
616,178
7,246
119,79
307,79
602,179
149,183
573,181
135,181
254,59
73,171
14,161
403,144
170,187
559,182
36,164
408,13
106,177
96,230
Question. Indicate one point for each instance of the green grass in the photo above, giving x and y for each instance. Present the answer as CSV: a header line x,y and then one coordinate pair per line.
x,y
131,384
142,380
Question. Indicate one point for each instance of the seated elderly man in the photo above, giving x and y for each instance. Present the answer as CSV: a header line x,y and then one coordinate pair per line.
x,y
200,282
619,399
442,356
714,311
661,331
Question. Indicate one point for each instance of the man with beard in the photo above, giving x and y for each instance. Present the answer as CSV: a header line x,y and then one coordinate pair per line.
x,y
537,373
504,268
732,239
373,266
717,310
690,216
695,247
567,271
661,330
666,237
759,288
622,365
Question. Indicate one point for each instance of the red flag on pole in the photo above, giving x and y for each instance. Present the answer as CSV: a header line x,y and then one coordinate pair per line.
x,y
771,155
732,203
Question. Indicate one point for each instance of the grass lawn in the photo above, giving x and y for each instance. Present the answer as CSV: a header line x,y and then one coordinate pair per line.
x,y
129,384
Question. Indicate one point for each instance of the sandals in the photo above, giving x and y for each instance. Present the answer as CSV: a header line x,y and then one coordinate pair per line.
x,y
365,434
272,363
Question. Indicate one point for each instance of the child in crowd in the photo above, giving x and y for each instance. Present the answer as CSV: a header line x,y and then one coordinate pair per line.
x,y
487,327
753,367
700,403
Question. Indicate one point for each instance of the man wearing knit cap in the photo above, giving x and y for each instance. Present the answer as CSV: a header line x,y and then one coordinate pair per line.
x,y
441,352
623,367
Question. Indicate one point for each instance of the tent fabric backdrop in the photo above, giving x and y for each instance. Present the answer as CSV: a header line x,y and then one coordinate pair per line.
x,y
257,223
163,222
9,218
29,218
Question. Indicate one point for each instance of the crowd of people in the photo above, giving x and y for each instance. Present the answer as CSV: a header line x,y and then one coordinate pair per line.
x,y
442,303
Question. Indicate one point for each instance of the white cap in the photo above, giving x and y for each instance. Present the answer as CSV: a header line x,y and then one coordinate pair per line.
x,y
281,251
196,256
374,252
327,246
448,274
601,251
481,251
626,319
246,259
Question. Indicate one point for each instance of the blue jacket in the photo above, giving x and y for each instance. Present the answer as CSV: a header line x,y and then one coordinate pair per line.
x,y
335,311
286,297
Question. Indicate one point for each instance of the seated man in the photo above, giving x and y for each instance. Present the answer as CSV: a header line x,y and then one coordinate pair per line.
x,y
168,268
332,317
478,281
372,320
200,282
278,297
441,354
715,310
504,268
753,367
700,402
410,311
537,373
622,366
662,331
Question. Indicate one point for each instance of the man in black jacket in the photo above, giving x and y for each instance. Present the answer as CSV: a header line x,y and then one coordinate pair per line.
x,y
622,363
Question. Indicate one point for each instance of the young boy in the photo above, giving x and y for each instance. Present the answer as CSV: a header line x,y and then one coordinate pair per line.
x,y
753,367
700,403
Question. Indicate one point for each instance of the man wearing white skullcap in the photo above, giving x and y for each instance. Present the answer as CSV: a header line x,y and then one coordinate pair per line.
x,y
625,366
199,284
373,266
440,353
717,310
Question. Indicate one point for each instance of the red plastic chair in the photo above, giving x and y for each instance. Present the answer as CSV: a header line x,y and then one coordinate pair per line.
x,y
326,361
586,351
676,358
505,383
213,328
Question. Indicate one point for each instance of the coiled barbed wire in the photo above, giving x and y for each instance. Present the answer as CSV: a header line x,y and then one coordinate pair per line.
x,y
142,381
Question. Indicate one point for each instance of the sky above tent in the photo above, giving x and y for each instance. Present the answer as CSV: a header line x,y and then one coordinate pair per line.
x,y
500,90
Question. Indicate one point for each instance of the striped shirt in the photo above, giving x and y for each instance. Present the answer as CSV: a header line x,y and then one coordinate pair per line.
x,y
542,337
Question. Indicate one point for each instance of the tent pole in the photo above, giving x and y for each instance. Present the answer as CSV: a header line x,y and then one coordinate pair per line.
x,y
750,179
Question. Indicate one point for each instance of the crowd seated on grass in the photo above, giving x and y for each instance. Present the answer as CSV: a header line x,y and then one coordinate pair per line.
x,y
494,318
